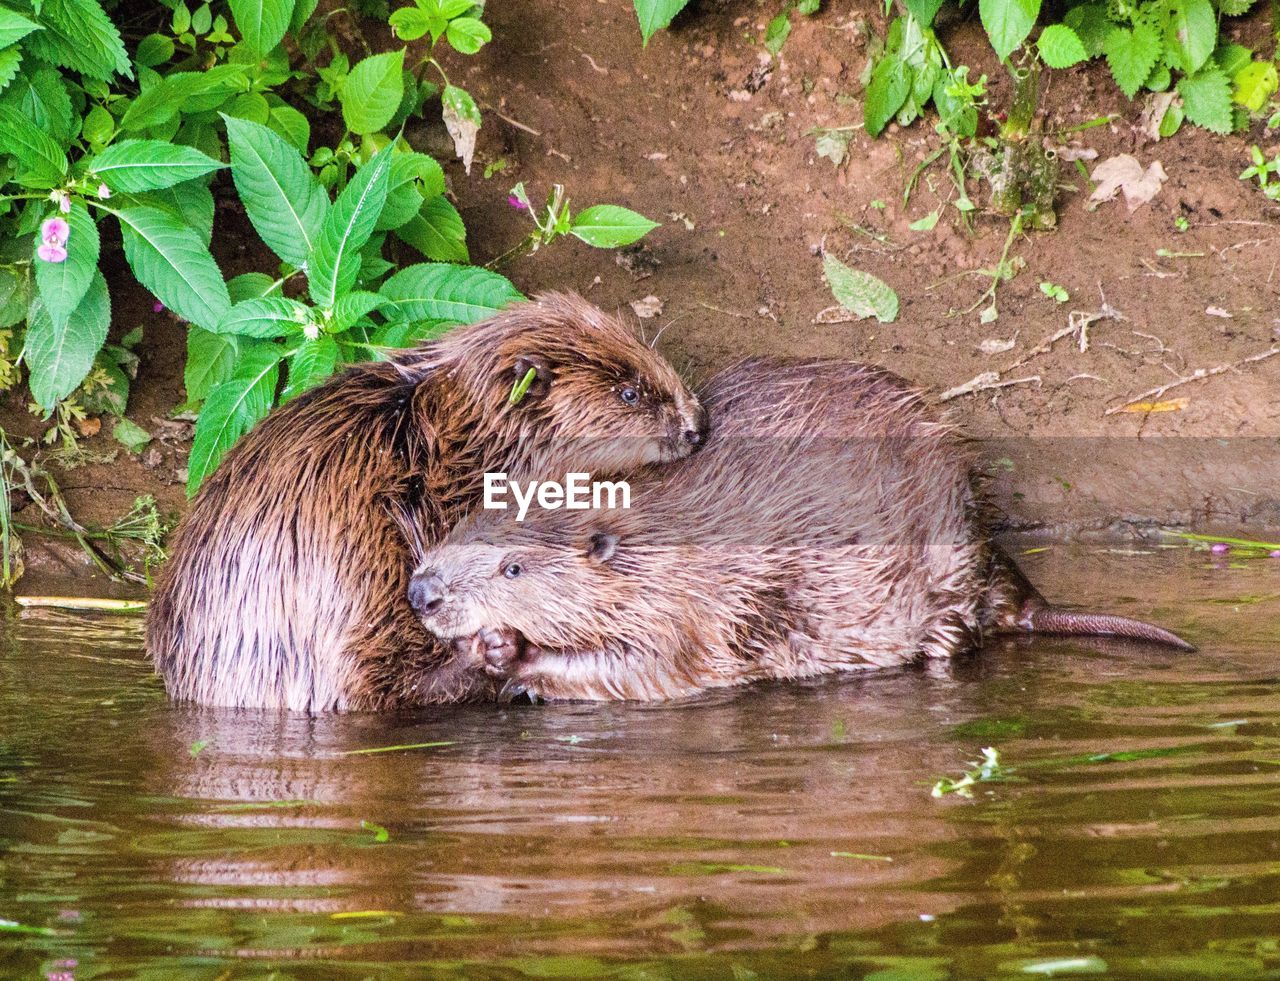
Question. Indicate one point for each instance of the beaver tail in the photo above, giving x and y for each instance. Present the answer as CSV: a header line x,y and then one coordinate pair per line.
x,y
1019,608
1041,618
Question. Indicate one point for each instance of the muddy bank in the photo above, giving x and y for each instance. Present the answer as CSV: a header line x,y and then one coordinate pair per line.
x,y
703,132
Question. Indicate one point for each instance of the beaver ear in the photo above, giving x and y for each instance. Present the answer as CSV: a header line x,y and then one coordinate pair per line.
x,y
602,546
540,384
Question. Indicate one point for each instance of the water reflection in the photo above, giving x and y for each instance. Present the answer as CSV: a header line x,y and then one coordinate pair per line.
x,y
781,830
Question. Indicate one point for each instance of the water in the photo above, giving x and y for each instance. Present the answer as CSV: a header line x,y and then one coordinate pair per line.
x,y
678,841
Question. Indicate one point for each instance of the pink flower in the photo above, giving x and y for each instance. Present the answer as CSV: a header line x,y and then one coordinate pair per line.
x,y
54,231
1217,548
64,205
157,307
1274,554
104,192
52,253
516,203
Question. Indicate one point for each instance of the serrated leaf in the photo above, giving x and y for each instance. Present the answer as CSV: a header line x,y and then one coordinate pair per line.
x,y
172,261
444,292
1254,84
1190,33
42,97
1008,22
404,198
334,263
42,162
607,226
190,202
468,35
654,15
859,292
281,196
264,317
891,82
14,27
62,285
1206,99
776,33
437,231
1060,46
310,365
924,10
211,358
182,91
403,334
372,92
10,62
352,307
1131,54
59,358
1091,24
148,165
79,35
262,23
130,435
291,125
231,410
154,50
1234,8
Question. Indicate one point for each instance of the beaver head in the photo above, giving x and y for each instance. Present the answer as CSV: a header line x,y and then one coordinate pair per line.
x,y
560,385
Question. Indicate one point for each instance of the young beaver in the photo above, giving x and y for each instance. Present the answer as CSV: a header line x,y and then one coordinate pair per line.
x,y
831,524
287,582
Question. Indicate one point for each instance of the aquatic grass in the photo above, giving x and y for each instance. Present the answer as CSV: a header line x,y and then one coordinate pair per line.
x,y
1249,545
394,749
861,856
86,603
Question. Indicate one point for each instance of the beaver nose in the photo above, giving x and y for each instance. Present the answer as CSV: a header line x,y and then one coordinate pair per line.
x,y
699,425
426,594
692,437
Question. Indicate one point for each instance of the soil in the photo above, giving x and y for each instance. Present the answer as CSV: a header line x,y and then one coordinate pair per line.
x,y
703,131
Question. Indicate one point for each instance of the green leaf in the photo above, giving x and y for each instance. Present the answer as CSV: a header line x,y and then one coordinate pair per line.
x,y
1190,34
1060,46
462,120
63,285
182,91
372,92
292,125
1132,55
262,23
310,365
14,27
1234,8
1232,57
437,231
42,162
654,15
468,35
1206,99
776,33
1008,22
265,317
439,291
211,359
10,62
281,196
410,23
924,10
172,261
890,85
130,435
154,50
231,410
606,226
250,286
43,98
59,358
404,196
334,264
190,202
148,165
79,35
1091,24
859,292
1254,84
403,334
352,307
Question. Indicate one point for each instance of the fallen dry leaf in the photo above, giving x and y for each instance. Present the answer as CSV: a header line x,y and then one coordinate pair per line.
x,y
1070,154
1170,405
648,308
995,346
1219,312
1158,104
1124,173
90,426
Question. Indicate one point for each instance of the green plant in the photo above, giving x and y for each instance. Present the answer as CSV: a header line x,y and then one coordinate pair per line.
x,y
1263,170
604,226
779,29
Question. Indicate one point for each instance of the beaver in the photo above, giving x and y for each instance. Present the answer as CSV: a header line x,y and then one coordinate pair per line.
x,y
834,522
286,585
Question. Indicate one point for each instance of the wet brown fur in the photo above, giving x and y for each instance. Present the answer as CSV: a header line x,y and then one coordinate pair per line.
x,y
287,581
833,523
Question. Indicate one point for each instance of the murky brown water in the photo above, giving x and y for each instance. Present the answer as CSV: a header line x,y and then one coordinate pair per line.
x,y
774,832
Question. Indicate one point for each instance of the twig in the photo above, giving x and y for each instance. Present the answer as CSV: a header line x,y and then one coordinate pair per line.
x,y
81,603
507,119
1200,374
984,382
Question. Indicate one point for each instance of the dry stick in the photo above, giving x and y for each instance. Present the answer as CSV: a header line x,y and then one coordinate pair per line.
x,y
81,603
1200,374
984,382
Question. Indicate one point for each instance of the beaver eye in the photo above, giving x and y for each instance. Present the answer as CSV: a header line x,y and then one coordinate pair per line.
x,y
512,570
629,395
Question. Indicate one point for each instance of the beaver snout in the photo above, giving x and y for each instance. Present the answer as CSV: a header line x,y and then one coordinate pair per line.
x,y
426,593
697,425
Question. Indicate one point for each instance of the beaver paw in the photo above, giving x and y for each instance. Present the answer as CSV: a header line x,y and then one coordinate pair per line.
x,y
502,650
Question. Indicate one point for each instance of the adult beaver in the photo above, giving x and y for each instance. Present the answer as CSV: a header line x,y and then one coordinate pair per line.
x,y
833,523
287,581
